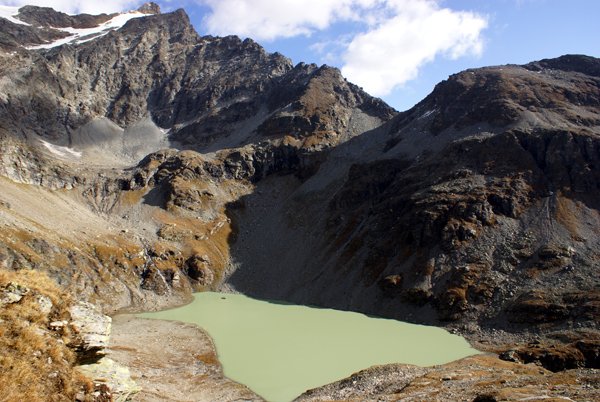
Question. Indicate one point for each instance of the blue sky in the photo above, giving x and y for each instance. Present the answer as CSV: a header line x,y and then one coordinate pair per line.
x,y
395,49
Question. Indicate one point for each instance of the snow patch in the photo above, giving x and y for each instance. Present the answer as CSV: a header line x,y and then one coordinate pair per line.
x,y
84,35
9,13
63,152
427,113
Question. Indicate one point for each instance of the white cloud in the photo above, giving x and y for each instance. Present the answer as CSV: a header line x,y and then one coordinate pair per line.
x,y
79,6
398,36
272,19
392,52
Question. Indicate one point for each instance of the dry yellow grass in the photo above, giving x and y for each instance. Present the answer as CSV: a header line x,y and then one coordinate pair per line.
x,y
35,362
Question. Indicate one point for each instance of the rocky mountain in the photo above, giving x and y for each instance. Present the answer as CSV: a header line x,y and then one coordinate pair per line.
x,y
477,206
140,161
80,117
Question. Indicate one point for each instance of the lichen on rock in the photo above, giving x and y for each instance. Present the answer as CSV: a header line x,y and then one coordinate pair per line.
x,y
114,376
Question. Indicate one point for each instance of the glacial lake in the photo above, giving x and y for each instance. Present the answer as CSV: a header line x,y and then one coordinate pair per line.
x,y
280,350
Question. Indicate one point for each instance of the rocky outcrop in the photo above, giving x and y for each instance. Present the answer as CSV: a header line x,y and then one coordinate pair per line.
x,y
49,18
92,330
25,164
149,8
92,326
13,36
479,378
558,356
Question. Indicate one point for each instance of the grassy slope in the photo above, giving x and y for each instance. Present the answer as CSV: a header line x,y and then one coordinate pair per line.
x,y
36,363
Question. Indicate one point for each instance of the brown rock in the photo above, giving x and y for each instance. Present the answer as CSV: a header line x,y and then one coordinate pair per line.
x,y
416,296
392,285
537,307
199,270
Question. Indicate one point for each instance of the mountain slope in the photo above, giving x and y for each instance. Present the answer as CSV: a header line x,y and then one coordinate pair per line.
x,y
74,115
479,206
289,182
144,162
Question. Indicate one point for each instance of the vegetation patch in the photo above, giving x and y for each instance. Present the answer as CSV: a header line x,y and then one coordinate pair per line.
x,y
36,362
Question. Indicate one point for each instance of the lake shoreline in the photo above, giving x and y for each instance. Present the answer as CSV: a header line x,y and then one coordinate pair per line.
x,y
139,343
172,361
280,350
481,339
188,376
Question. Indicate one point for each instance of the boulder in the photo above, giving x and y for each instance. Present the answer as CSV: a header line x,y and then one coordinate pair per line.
x,y
13,293
92,326
114,376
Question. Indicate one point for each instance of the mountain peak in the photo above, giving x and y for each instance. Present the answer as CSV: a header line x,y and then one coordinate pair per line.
x,y
36,27
569,63
150,8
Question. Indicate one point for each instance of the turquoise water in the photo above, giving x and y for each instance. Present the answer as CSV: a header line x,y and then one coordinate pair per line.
x,y
280,350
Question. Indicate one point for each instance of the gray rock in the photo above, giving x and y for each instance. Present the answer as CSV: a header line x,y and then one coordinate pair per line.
x,y
92,326
150,8
56,325
116,378
13,293
44,304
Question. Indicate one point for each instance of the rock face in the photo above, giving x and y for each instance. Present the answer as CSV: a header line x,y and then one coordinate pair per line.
x,y
224,167
472,379
92,326
476,206
92,329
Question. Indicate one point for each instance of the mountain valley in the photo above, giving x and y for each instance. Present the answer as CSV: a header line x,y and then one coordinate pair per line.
x,y
142,162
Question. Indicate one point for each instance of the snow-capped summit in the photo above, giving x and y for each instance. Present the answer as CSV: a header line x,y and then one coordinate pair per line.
x,y
35,27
